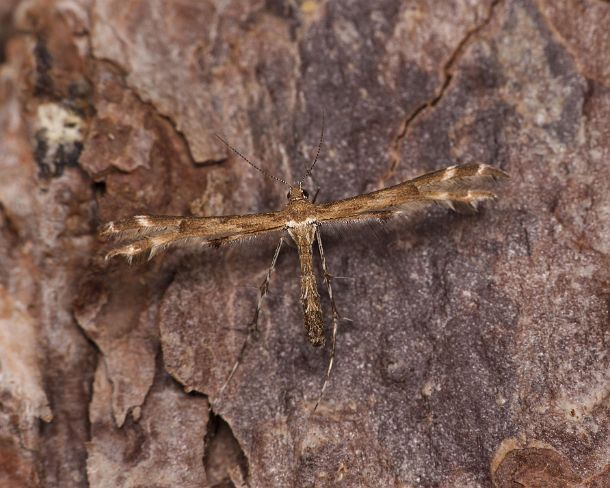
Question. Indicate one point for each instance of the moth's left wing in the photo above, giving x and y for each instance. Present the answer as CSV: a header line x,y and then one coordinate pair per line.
x,y
457,187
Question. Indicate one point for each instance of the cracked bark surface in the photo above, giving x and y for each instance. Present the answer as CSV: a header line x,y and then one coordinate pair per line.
x,y
478,351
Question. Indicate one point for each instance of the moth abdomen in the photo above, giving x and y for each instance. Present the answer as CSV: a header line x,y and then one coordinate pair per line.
x,y
313,320
303,235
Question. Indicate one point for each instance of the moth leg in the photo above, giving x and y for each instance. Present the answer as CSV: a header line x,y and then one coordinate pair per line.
x,y
335,316
253,325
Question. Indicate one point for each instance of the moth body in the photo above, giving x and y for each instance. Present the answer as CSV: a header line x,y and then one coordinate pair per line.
x,y
303,236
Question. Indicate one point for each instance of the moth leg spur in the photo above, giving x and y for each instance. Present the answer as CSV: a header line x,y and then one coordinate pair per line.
x,y
253,325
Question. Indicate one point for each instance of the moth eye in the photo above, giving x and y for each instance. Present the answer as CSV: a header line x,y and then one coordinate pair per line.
x,y
288,195
306,194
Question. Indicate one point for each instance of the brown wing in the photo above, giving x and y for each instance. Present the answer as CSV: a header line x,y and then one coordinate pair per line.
x,y
466,176
458,187
151,234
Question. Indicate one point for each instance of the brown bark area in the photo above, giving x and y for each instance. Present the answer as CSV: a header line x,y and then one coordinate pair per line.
x,y
477,354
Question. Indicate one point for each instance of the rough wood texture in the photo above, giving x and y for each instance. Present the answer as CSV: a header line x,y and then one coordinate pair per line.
x,y
478,351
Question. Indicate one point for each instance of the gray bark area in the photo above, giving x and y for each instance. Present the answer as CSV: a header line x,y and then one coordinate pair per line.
x,y
477,352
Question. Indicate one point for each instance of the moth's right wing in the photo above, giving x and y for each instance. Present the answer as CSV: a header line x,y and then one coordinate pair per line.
x,y
457,187
149,234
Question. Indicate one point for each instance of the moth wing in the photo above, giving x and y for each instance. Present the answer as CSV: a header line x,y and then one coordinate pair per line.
x,y
151,234
459,177
457,187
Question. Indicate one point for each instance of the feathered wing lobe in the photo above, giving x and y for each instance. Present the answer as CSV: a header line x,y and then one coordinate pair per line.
x,y
457,187
148,234
140,226
466,176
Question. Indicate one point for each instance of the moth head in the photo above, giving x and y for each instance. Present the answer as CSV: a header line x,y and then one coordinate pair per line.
x,y
297,193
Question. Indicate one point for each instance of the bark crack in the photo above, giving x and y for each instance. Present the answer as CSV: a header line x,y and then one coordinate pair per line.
x,y
447,71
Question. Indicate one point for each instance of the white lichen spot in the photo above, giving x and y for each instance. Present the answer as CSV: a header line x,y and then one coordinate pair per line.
x,y
60,125
59,138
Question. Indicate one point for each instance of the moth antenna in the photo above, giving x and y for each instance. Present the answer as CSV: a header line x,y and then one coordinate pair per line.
x,y
308,172
267,174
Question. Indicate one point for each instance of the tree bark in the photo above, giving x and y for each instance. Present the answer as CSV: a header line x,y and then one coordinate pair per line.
x,y
477,351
